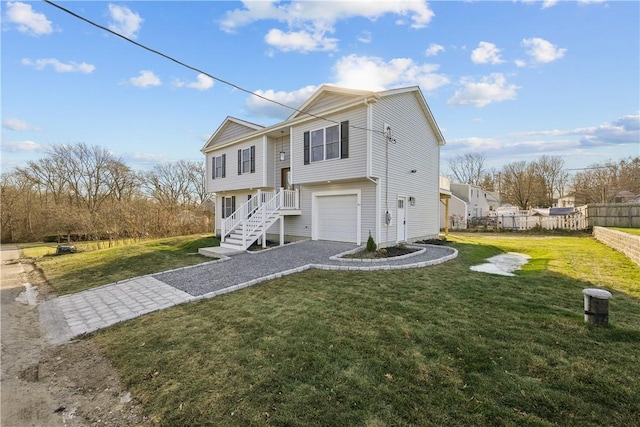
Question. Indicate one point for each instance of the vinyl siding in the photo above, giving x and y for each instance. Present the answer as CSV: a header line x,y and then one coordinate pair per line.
x,y
416,148
232,181
280,144
335,169
327,102
232,131
300,226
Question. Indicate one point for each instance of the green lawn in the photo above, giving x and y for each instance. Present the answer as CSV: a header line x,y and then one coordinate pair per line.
x,y
88,268
634,231
434,346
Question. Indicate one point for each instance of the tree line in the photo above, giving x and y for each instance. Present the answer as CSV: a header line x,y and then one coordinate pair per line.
x,y
539,183
82,192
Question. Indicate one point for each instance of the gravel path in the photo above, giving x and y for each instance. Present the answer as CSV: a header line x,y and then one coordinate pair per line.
x,y
245,269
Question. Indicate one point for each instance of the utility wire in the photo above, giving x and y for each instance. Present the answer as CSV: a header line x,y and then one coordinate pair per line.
x,y
190,67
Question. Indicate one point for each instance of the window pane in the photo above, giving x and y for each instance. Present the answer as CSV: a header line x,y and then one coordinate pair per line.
x,y
317,145
246,160
317,153
228,207
219,167
333,150
333,134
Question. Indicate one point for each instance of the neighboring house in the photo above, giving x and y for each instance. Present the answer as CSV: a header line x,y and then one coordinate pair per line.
x,y
346,164
566,202
468,203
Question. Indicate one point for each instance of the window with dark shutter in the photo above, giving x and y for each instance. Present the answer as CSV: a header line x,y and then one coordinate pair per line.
x,y
344,139
306,148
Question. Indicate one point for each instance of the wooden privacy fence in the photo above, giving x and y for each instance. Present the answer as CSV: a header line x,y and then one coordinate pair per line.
x,y
614,215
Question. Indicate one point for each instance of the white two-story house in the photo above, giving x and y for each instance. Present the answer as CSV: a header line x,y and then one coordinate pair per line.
x,y
346,164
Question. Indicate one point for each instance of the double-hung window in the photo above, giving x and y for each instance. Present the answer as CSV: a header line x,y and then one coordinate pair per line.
x,y
228,206
218,166
328,143
247,160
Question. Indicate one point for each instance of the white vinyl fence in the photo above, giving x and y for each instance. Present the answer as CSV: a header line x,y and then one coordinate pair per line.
x,y
575,221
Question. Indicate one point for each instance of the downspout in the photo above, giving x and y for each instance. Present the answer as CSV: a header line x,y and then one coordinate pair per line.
x,y
369,103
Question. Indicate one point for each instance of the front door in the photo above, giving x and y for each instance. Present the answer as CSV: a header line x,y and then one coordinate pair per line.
x,y
285,178
402,220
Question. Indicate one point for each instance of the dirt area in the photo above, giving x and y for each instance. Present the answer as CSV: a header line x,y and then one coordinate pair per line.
x,y
42,385
389,252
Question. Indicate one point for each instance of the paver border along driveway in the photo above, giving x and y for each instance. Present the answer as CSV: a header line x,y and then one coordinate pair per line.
x,y
66,317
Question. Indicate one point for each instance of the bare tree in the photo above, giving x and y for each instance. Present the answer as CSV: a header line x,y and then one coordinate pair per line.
x,y
468,168
602,183
178,183
87,191
521,184
553,178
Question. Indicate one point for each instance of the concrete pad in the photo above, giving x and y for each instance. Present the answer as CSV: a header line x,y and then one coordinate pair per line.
x,y
217,251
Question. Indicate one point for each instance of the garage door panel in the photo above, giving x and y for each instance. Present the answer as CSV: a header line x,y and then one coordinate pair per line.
x,y
337,218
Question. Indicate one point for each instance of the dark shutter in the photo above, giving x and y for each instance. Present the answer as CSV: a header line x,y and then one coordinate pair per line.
x,y
224,165
213,169
306,148
239,162
253,158
344,140
224,206
233,203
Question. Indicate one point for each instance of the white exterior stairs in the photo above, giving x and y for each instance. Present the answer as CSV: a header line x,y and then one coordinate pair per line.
x,y
253,218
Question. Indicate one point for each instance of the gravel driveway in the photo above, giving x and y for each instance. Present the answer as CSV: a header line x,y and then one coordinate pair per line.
x,y
246,268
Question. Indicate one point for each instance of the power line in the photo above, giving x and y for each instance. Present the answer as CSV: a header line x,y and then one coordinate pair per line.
x,y
589,168
192,68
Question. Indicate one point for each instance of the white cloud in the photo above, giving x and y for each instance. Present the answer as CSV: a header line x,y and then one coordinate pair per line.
x,y
365,37
490,89
28,21
259,107
202,83
587,141
124,21
434,49
520,63
308,22
373,73
58,66
486,53
622,131
12,123
549,3
542,51
21,146
146,79
301,41
356,72
625,130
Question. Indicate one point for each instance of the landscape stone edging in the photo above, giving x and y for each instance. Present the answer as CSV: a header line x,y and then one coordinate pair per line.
x,y
453,255
339,257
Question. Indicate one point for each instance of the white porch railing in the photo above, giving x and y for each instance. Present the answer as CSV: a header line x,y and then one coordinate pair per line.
x,y
290,199
257,211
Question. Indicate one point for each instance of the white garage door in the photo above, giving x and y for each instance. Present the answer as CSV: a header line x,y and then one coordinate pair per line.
x,y
337,218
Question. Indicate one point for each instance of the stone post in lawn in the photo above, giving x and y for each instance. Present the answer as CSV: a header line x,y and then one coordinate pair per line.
x,y
596,306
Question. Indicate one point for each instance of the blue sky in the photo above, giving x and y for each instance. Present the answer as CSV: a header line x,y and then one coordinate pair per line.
x,y
511,79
